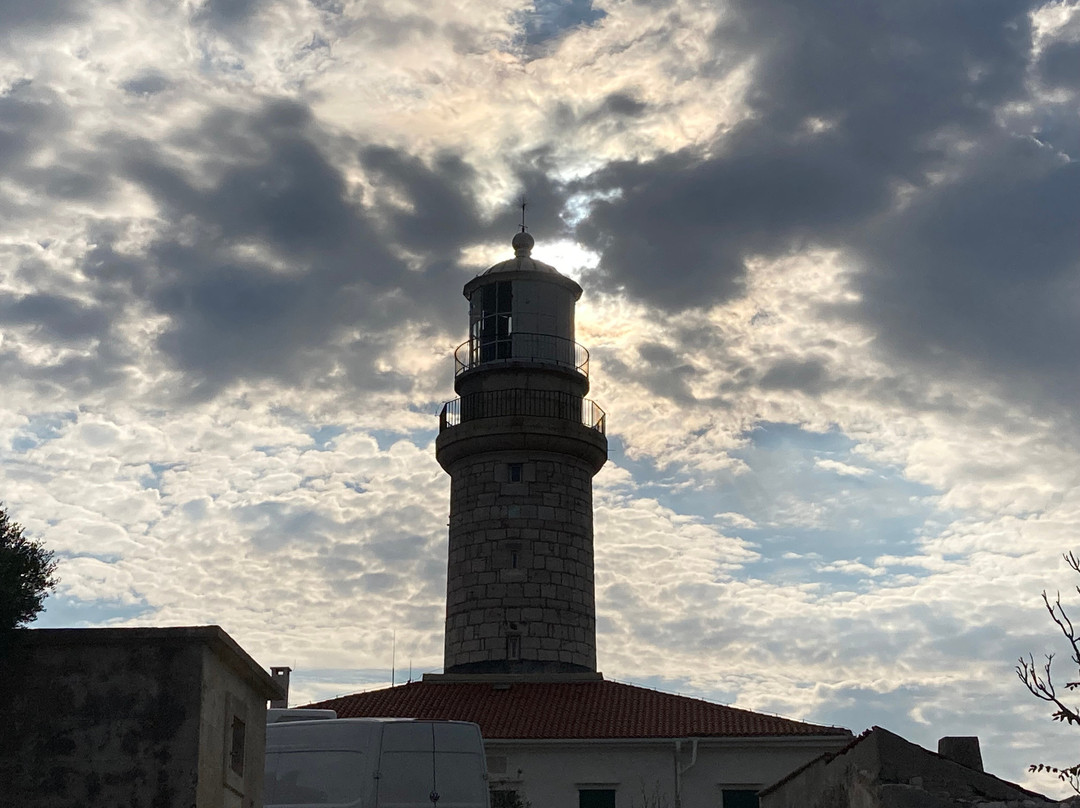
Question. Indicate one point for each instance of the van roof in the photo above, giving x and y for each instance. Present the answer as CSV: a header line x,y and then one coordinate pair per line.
x,y
355,733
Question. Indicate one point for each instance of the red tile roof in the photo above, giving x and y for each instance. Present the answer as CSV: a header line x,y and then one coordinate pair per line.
x,y
563,710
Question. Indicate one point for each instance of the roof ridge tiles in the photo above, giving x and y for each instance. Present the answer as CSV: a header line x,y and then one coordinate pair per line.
x,y
586,710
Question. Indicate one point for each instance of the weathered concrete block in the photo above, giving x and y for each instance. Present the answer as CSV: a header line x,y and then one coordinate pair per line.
x,y
139,716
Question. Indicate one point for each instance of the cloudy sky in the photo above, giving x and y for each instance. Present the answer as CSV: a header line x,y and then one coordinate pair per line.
x,y
832,271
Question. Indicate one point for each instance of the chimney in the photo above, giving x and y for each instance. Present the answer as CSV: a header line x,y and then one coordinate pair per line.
x,y
962,749
281,677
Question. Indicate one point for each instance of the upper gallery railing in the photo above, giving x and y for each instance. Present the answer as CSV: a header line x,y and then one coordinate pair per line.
x,y
521,346
543,403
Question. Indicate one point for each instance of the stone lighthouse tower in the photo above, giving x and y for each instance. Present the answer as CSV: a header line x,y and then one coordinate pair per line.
x,y
521,445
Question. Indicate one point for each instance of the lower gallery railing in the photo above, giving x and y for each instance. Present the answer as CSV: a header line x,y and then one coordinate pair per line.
x,y
542,403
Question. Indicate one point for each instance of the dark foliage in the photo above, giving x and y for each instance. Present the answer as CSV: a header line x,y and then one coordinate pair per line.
x,y
27,574
503,798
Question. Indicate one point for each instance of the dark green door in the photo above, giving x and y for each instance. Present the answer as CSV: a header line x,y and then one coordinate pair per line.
x,y
596,798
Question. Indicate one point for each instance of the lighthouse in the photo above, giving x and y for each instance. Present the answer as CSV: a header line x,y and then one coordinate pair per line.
x,y
521,444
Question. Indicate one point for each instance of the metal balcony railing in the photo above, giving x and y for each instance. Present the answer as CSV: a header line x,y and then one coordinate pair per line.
x,y
543,403
521,346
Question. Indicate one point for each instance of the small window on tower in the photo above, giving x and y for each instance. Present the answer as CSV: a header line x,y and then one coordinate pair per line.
x,y
515,472
514,558
513,647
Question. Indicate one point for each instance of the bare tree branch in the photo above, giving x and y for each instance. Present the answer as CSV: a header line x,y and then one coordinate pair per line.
x,y
1040,683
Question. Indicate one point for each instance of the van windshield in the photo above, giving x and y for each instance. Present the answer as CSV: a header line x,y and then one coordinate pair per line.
x,y
318,777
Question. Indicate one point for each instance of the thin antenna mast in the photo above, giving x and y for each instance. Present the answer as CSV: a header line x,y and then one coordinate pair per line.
x,y
524,204
393,660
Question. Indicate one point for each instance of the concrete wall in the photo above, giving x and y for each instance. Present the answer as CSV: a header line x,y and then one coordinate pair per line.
x,y
644,774
130,717
227,779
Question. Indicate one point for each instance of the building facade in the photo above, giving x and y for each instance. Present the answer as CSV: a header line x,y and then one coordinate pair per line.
x,y
580,741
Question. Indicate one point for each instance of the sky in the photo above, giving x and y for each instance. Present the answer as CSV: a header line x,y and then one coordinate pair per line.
x,y
831,266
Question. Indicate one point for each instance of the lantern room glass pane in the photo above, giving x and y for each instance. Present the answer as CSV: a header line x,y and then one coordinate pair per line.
x,y
504,298
494,326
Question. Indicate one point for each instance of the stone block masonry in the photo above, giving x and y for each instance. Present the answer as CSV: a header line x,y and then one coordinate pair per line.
x,y
520,577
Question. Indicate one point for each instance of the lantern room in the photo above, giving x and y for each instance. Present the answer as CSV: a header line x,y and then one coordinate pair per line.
x,y
521,311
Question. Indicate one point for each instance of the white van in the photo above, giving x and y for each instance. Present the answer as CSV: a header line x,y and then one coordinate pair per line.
x,y
375,763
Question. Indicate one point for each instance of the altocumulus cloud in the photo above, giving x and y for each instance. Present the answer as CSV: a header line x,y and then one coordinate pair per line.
x,y
831,294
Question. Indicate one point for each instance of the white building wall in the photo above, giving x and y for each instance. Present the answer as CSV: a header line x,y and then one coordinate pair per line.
x,y
647,773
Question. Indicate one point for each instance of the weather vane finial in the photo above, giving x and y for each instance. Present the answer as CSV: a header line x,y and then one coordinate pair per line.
x,y
523,241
